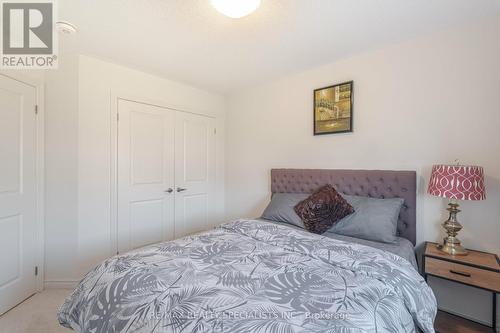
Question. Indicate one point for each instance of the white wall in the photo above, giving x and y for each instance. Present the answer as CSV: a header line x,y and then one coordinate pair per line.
x,y
425,101
61,168
61,165
98,81
77,153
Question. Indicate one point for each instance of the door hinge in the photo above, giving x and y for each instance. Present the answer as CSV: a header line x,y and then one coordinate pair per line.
x,y
215,131
36,270
36,109
117,117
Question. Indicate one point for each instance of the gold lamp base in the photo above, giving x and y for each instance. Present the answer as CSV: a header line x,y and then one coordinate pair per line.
x,y
451,244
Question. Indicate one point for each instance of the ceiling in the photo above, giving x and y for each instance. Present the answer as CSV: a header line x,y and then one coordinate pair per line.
x,y
189,41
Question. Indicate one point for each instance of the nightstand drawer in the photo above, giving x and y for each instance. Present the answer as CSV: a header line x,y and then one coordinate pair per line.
x,y
466,274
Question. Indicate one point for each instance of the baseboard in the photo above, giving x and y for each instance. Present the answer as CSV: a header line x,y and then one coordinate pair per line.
x,y
60,284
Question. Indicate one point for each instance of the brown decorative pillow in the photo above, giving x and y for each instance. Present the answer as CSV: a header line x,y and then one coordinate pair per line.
x,y
322,209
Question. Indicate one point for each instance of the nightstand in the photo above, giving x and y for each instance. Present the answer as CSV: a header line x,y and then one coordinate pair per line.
x,y
477,269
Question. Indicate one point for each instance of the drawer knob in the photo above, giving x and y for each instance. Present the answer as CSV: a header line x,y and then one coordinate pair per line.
x,y
460,273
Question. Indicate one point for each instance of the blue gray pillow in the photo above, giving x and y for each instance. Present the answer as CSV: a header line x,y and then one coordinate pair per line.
x,y
373,219
281,208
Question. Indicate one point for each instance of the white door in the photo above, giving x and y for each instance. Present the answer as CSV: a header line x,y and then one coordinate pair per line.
x,y
17,192
145,174
194,173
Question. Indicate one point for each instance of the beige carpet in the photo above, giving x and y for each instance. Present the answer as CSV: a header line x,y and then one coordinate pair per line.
x,y
37,314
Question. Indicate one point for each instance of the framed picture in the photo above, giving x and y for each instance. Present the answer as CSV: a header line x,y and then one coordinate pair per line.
x,y
333,109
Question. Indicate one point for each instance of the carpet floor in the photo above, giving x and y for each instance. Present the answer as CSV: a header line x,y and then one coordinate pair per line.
x,y
38,314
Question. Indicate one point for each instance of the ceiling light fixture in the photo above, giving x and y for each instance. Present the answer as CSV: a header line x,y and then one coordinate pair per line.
x,y
235,8
66,28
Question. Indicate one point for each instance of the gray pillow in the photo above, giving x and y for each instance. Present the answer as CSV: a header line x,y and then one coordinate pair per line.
x,y
281,208
373,219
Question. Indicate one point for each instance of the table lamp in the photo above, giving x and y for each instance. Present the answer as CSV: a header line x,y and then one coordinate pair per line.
x,y
456,182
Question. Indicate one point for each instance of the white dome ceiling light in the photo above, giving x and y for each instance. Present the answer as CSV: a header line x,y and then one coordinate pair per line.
x,y
235,8
66,28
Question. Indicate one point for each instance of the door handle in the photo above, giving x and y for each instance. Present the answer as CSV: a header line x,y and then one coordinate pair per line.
x,y
169,190
460,273
180,189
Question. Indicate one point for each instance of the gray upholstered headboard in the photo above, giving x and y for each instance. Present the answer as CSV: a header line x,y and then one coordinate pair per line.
x,y
370,183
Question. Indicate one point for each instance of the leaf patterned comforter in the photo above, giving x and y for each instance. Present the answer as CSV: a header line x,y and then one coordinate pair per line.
x,y
252,276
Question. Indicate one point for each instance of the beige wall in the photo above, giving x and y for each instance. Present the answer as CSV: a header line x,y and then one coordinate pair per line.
x,y
429,100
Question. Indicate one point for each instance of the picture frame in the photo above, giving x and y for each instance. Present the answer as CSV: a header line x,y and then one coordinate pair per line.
x,y
333,109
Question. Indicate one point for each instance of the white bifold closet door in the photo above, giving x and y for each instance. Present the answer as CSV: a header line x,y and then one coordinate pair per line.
x,y
194,173
166,175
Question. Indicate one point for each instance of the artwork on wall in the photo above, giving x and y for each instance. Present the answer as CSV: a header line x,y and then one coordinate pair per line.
x,y
333,109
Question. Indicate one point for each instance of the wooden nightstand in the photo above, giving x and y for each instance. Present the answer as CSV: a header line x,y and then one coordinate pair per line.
x,y
477,269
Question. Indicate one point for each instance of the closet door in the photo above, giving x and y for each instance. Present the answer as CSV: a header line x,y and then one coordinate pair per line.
x,y
145,175
194,173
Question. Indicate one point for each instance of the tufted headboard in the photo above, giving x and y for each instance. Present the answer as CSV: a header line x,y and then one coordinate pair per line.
x,y
370,183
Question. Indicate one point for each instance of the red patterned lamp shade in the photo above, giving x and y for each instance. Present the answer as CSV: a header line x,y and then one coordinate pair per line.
x,y
460,182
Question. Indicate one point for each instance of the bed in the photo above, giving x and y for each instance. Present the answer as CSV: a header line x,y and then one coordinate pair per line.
x,y
402,247
370,183
251,275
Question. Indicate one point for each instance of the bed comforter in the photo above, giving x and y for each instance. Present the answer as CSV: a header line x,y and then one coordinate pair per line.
x,y
252,276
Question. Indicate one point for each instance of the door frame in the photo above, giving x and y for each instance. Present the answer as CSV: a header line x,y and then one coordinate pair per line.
x,y
116,96
40,170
